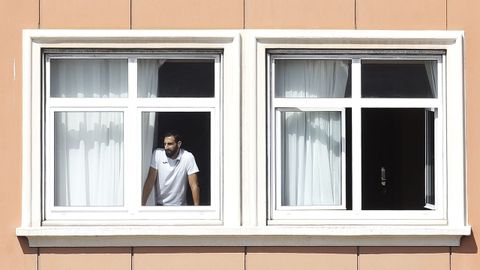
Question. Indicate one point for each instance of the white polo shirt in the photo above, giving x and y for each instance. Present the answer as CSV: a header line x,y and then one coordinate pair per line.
x,y
172,181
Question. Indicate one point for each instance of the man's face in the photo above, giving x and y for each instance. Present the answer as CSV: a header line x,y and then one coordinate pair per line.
x,y
171,147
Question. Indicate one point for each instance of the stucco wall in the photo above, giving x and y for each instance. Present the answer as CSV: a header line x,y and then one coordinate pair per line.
x,y
16,15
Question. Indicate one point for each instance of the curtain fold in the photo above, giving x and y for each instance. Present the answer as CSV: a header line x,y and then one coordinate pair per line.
x,y
88,159
88,155
311,141
148,87
89,78
431,69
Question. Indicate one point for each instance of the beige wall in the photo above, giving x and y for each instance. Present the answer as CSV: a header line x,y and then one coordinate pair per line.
x,y
14,16
221,14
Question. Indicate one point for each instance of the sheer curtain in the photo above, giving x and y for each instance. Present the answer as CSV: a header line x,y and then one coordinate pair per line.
x,y
88,155
431,69
147,78
93,78
311,141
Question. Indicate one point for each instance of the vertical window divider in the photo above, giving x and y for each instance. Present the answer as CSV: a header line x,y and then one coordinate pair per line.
x,y
132,143
356,136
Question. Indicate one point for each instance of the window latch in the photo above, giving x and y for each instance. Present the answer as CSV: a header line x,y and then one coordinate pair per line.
x,y
383,178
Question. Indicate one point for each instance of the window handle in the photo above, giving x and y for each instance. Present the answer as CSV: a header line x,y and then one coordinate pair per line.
x,y
383,178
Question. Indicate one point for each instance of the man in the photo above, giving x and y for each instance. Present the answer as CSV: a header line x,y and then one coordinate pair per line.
x,y
169,171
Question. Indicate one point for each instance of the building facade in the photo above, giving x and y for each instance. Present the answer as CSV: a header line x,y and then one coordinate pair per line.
x,y
238,22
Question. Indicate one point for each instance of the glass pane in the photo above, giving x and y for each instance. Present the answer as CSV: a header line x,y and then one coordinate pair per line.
x,y
396,148
311,158
399,79
193,130
88,78
88,158
176,78
312,78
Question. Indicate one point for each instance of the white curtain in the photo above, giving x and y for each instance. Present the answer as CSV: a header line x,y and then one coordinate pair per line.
x,y
147,77
89,159
311,141
431,69
93,78
88,155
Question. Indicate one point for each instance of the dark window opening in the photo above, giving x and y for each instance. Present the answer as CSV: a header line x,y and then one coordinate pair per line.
x,y
194,127
348,157
399,79
177,77
397,159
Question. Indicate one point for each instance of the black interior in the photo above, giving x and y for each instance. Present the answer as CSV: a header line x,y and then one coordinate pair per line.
x,y
395,140
399,79
194,127
186,78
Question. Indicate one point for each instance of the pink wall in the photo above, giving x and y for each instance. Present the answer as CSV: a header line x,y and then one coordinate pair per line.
x,y
234,14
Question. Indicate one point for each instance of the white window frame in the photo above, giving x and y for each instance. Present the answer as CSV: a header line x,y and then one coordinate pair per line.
x,y
223,47
281,215
448,218
244,219
132,108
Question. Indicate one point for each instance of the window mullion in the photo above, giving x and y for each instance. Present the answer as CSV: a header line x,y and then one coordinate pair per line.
x,y
356,136
132,143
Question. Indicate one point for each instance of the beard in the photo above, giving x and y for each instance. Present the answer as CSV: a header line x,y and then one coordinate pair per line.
x,y
170,153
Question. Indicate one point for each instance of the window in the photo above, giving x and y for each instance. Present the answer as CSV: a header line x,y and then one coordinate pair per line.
x,y
354,133
300,137
398,111
96,112
94,107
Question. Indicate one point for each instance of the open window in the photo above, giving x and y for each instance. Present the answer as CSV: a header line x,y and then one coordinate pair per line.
x,y
95,107
312,137
321,103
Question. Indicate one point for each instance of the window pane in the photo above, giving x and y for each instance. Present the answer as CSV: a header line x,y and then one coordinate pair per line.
x,y
399,79
311,158
88,158
312,78
176,78
397,154
194,131
88,78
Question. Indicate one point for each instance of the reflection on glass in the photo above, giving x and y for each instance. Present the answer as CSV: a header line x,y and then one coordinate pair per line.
x,y
88,158
312,78
311,158
399,79
194,131
88,78
176,78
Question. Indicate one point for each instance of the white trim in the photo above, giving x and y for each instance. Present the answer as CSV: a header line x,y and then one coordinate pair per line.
x,y
244,236
243,213
173,41
281,215
441,41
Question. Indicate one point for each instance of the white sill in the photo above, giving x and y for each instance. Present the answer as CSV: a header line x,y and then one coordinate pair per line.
x,y
98,236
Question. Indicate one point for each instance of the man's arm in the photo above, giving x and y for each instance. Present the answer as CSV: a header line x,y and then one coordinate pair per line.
x,y
193,181
148,186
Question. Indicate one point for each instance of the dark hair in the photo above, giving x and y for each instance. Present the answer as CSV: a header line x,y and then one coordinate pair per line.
x,y
174,134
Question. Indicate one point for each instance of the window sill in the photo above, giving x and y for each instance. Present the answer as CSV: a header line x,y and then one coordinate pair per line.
x,y
97,236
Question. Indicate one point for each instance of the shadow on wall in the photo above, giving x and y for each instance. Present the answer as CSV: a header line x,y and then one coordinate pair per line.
x,y
25,247
304,250
467,245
